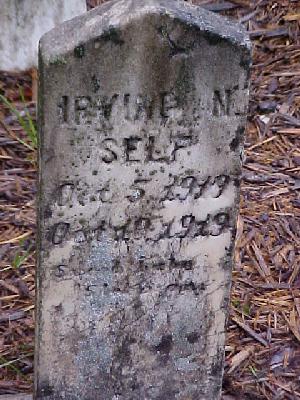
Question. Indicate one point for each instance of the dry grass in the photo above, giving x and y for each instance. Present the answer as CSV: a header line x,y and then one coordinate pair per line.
x,y
263,352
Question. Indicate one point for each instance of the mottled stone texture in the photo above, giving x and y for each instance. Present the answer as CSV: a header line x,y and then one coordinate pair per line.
x,y
142,114
16,397
23,22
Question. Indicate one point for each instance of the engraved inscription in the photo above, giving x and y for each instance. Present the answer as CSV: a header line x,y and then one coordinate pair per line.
x,y
135,149
226,103
60,271
89,109
150,229
181,188
59,232
140,162
178,188
98,110
65,193
63,112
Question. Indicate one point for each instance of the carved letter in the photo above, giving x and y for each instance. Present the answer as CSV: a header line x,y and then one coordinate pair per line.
x,y
83,110
65,194
133,149
110,151
59,232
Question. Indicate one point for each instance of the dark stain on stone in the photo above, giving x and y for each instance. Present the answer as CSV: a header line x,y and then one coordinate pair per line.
x,y
123,382
234,144
44,390
112,34
217,364
212,38
124,351
226,300
134,386
59,308
193,337
168,392
165,345
216,367
176,49
183,84
238,138
237,182
47,212
226,262
95,84
79,51
245,63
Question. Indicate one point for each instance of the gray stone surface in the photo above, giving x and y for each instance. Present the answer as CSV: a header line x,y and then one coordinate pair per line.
x,y
142,114
23,22
16,397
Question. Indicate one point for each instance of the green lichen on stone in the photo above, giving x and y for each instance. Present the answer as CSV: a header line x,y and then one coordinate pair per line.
x,y
113,35
58,61
79,51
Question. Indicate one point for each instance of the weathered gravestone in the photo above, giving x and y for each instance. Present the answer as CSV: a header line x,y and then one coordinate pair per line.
x,y
142,114
23,22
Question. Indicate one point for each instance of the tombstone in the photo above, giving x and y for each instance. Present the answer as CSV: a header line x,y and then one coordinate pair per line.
x,y
23,22
142,114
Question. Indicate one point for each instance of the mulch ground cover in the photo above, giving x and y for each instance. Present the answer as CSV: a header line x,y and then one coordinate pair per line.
x,y
262,351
